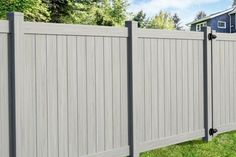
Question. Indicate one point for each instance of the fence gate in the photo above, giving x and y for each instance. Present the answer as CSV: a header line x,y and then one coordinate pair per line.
x,y
224,82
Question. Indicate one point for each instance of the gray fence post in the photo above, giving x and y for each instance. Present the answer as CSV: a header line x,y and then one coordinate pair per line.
x,y
16,46
207,83
132,48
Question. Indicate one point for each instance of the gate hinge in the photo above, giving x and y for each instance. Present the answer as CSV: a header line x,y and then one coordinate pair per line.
x,y
211,36
212,131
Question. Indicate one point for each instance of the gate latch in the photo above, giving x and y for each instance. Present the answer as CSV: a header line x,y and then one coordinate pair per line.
x,y
211,36
212,131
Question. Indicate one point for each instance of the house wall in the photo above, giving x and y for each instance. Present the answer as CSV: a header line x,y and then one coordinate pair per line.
x,y
193,26
214,23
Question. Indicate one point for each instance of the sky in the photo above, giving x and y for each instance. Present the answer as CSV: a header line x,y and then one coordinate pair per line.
x,y
186,9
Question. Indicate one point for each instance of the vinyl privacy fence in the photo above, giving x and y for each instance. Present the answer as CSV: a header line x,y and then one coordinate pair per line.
x,y
88,91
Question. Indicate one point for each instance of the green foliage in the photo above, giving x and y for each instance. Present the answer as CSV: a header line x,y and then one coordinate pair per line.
x,y
61,11
140,17
90,12
109,13
200,15
221,146
34,10
163,20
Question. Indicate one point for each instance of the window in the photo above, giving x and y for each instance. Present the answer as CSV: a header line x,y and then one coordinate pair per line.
x,y
200,25
222,24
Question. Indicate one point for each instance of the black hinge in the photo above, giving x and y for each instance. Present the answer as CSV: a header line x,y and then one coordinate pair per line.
x,y
212,131
211,36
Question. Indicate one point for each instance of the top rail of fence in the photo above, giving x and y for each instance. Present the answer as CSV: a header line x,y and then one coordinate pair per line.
x,y
69,29
226,37
4,26
166,34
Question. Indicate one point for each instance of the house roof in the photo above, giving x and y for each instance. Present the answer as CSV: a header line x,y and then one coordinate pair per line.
x,y
230,11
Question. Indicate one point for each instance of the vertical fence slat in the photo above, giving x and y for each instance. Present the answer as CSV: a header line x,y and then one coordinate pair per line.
x,y
161,88
179,71
173,88
185,86
231,90
167,87
41,100
108,93
190,85
52,98
4,98
91,95
99,93
195,86
147,91
116,90
72,97
62,95
154,82
124,92
82,96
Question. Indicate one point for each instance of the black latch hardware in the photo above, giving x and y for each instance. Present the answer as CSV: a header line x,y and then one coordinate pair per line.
x,y
212,131
211,36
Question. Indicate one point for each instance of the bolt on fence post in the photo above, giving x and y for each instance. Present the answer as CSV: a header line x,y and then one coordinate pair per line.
x,y
16,48
132,49
207,59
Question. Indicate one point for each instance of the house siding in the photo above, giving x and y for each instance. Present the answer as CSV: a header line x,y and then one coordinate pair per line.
x,y
214,23
193,26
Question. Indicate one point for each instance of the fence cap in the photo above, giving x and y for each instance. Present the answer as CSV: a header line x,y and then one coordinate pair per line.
x,y
15,14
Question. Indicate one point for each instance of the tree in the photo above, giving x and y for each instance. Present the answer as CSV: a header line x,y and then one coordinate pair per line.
x,y
162,20
119,11
177,23
34,10
61,11
200,15
104,12
140,17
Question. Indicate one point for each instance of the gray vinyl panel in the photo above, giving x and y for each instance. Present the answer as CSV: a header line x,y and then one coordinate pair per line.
x,y
78,103
4,97
4,26
72,97
71,89
170,80
41,99
224,83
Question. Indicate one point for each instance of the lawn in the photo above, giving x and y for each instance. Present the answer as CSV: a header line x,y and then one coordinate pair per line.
x,y
223,145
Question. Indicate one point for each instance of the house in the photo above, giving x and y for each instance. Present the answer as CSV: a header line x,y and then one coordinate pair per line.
x,y
224,21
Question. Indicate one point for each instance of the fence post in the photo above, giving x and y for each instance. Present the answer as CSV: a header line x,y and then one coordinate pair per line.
x,y
16,48
132,48
207,59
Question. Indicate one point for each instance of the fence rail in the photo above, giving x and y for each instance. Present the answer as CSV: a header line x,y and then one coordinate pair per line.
x,y
90,91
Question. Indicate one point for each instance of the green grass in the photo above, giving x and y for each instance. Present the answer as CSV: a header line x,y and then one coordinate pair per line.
x,y
223,145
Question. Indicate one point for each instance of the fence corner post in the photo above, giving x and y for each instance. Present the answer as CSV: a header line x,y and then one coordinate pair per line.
x,y
208,119
16,20
132,48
